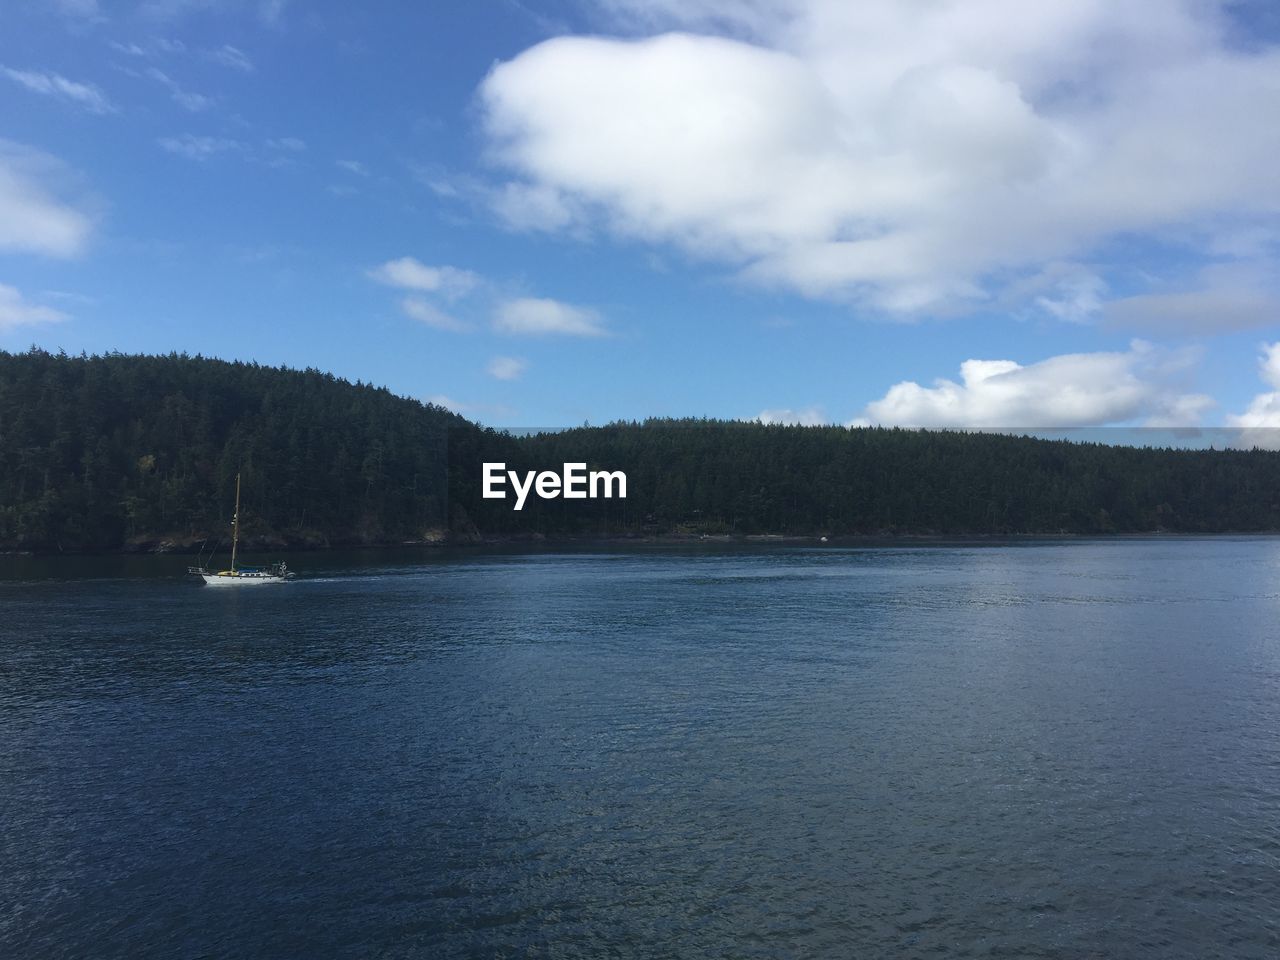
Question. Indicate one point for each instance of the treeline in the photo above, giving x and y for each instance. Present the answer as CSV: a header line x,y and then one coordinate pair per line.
x,y
749,478
110,452
104,452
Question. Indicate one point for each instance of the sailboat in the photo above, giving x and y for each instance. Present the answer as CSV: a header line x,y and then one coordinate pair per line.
x,y
242,576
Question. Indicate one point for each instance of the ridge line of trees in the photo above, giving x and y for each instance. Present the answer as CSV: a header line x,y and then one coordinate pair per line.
x,y
138,452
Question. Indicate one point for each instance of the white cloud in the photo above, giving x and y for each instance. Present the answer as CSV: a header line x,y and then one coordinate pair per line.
x,y
15,311
518,205
192,102
410,274
353,166
1269,364
69,296
291,144
1076,298
431,315
199,147
1071,390
442,400
809,417
903,156
536,316
440,184
472,409
231,57
1260,424
55,85
1200,311
153,46
32,218
506,368
168,45
526,206
1223,297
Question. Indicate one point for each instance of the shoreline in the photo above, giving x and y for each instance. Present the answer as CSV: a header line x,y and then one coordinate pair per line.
x,y
166,547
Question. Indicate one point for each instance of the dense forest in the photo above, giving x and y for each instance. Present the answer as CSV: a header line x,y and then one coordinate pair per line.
x,y
747,478
107,452
141,452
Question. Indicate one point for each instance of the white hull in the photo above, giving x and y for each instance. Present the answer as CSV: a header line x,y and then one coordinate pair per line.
x,y
238,580
246,576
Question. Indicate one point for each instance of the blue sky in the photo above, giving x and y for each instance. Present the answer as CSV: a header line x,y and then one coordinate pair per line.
x,y
983,213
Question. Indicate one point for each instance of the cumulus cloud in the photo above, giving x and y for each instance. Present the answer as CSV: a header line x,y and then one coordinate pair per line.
x,y
432,316
809,417
55,85
538,317
33,219
506,368
901,156
1072,390
16,311
1260,424
408,273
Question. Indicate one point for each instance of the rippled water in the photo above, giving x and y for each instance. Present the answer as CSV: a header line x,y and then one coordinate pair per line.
x,y
1033,750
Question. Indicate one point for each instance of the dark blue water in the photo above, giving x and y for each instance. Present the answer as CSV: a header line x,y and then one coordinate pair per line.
x,y
1035,750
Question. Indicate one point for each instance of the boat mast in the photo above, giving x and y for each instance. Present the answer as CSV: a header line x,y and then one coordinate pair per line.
x,y
235,525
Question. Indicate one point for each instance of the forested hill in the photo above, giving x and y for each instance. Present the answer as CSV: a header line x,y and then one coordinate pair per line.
x,y
99,452
140,452
749,478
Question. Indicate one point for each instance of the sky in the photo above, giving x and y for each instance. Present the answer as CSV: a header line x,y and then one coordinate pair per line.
x,y
918,212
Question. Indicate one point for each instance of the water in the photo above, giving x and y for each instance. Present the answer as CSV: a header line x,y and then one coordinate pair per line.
x,y
1062,750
